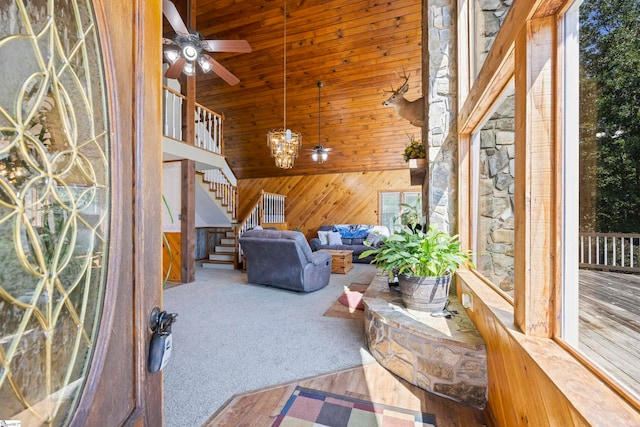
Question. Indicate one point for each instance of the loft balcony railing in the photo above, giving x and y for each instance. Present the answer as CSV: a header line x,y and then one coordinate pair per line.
x,y
610,251
208,135
172,103
208,124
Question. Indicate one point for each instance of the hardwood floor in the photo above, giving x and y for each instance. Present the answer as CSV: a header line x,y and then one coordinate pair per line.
x,y
369,382
610,323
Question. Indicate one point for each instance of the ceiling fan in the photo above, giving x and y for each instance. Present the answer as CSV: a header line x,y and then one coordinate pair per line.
x,y
319,153
187,48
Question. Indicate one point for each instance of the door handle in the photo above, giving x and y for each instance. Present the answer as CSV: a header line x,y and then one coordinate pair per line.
x,y
161,341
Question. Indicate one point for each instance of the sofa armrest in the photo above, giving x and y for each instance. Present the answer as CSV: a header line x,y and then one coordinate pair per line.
x,y
315,244
321,257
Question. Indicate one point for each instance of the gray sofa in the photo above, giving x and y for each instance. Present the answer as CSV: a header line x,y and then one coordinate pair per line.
x,y
355,244
284,259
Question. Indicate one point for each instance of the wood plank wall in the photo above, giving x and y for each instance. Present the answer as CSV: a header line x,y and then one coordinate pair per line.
x,y
353,47
328,199
175,243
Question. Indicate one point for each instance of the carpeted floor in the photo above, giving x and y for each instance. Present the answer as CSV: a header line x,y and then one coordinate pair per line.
x,y
315,408
232,337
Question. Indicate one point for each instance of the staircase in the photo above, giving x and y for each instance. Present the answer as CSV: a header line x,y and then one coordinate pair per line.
x,y
224,253
268,211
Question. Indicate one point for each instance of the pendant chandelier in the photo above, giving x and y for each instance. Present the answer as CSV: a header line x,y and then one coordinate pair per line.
x,y
284,143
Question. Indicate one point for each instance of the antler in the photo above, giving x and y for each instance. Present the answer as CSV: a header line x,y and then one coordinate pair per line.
x,y
403,76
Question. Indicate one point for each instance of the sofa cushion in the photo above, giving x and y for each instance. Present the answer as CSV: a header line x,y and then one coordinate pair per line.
x,y
334,238
324,237
373,239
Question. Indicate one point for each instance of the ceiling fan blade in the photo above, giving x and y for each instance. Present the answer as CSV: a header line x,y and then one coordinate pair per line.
x,y
174,18
241,46
221,71
174,70
167,42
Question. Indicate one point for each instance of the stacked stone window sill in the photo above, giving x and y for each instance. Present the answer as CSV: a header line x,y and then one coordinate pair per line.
x,y
444,356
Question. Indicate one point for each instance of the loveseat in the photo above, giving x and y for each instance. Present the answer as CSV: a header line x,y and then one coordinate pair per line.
x,y
284,259
350,237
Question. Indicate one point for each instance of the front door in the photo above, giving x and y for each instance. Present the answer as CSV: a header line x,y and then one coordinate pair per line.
x,y
80,234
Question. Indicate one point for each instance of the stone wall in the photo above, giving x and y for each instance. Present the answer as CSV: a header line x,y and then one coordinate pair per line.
x,y
444,356
441,105
489,16
495,233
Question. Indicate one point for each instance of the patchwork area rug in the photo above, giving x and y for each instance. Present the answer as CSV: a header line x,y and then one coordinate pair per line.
x,y
338,309
315,408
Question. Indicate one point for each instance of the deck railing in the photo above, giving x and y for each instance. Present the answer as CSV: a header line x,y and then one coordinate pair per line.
x,y
610,251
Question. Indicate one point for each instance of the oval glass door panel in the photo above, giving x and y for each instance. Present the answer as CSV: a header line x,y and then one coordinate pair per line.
x,y
54,205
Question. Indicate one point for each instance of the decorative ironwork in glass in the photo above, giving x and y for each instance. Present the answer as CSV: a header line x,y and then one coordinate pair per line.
x,y
54,205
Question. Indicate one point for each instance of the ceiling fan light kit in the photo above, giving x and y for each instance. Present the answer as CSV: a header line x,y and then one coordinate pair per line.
x,y
187,48
284,143
319,154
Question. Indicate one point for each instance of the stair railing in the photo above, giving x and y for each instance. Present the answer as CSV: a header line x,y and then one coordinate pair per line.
x,y
267,210
224,190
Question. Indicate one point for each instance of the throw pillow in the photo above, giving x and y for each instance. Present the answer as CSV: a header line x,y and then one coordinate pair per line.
x,y
352,231
373,240
352,299
324,237
334,238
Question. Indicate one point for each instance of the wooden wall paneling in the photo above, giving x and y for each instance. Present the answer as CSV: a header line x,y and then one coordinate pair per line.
x,y
175,260
355,48
535,167
313,201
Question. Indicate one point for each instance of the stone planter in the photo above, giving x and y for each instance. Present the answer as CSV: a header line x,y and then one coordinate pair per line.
x,y
425,293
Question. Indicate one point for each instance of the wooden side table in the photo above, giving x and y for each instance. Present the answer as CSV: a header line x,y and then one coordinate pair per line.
x,y
341,260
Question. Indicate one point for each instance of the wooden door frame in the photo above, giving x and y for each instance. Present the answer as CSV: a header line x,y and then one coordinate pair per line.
x,y
133,83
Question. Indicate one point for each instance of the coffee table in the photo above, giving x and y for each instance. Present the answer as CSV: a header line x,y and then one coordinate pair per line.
x,y
341,260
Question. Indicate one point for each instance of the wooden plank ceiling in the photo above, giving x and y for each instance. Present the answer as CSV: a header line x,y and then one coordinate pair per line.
x,y
353,47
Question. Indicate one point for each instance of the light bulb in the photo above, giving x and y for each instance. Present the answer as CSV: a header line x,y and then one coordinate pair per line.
x,y
204,64
189,52
188,69
171,55
325,156
314,156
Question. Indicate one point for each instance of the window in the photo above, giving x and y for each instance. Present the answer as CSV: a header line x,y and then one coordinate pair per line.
x,y
488,18
493,151
602,186
391,206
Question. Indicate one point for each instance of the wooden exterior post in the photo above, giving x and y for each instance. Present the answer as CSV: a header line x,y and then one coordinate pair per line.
x,y
535,65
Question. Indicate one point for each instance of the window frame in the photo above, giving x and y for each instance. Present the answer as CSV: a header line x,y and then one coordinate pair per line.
x,y
402,200
530,49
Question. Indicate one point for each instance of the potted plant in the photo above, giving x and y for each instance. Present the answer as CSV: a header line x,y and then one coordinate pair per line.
x,y
414,153
424,261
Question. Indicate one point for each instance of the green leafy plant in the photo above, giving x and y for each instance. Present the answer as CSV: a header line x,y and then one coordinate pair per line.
x,y
415,150
423,254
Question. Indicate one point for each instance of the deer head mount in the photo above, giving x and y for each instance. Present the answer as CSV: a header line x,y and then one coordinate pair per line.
x,y
410,110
